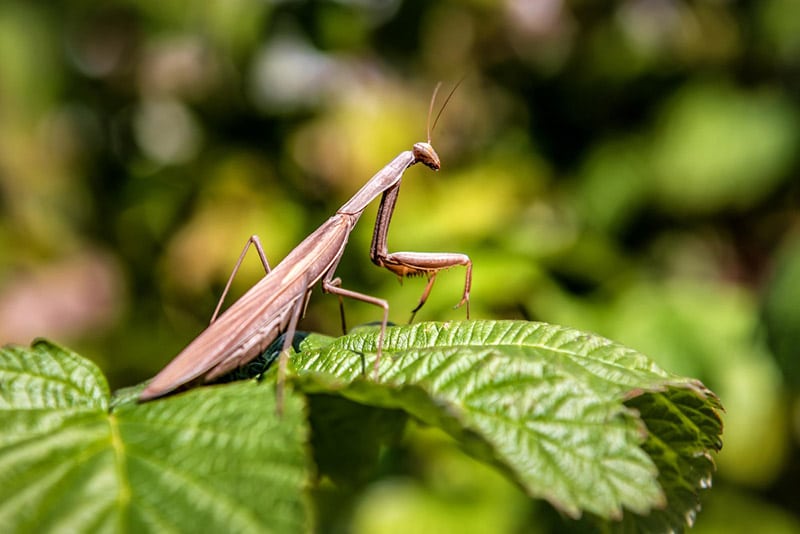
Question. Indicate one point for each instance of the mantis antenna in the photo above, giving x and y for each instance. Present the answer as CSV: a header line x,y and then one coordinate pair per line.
x,y
446,100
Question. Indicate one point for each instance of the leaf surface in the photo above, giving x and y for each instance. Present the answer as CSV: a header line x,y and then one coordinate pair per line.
x,y
212,459
551,406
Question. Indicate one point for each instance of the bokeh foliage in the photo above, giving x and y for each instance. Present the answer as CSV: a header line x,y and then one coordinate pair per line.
x,y
625,167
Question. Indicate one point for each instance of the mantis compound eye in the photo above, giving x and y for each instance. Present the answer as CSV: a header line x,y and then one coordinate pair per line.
x,y
425,154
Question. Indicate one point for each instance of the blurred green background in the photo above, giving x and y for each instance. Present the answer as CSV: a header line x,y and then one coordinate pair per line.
x,y
629,168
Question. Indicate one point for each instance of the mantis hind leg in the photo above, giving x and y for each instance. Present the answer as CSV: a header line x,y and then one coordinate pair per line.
x,y
334,286
253,240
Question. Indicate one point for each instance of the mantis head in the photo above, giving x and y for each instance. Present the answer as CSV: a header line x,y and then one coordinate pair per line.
x,y
425,154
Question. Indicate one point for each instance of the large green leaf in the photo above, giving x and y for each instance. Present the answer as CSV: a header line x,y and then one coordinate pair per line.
x,y
589,425
213,459
545,403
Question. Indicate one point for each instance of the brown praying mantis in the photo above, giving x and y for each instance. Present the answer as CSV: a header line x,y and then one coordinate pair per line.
x,y
275,303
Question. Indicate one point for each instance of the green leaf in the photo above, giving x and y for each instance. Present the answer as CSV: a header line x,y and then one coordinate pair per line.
x,y
545,403
684,427
49,377
213,459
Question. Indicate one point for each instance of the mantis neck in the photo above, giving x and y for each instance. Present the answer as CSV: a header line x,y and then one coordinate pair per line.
x,y
383,180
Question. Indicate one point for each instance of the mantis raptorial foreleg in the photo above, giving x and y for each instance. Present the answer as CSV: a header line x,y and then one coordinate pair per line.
x,y
256,242
413,263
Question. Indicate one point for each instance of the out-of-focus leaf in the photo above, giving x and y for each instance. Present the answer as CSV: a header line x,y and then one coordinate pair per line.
x,y
730,511
30,74
782,313
615,183
449,492
719,147
779,22
734,512
205,460
546,403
